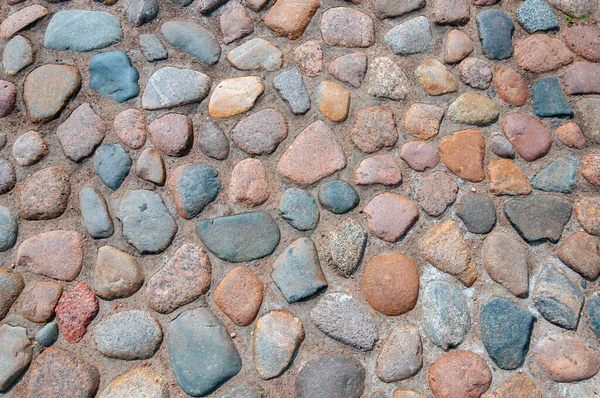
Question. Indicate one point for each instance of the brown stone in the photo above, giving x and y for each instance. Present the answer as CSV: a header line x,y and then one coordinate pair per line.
x,y
45,194
566,359
333,101
580,252
590,168
463,152
347,27
309,57
434,192
423,121
350,68
374,128
315,154
11,286
138,382
239,296
236,23
583,40
518,386
451,12
540,53
378,169
391,283
511,86
390,216
505,260
81,133
20,19
419,155
581,78
458,46
587,211
570,135
172,134
506,178
459,374
130,127
236,95
117,274
473,108
249,185
435,78
40,301
529,137
75,310
151,167
55,254
290,18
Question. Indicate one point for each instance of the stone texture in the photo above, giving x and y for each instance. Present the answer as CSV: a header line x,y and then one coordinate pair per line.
x,y
578,8
581,78
261,132
411,37
451,12
19,20
130,127
40,301
529,137
299,209
378,169
8,176
347,27
172,134
476,73
463,153
506,262
549,100
423,120
588,119
112,165
44,194
140,12
506,178
390,216
212,141
458,46
239,296
374,128
256,54
337,196
9,228
387,80
249,185
113,76
82,31
290,86
580,252
536,16
75,310
511,86
344,248
8,97
18,54
151,167
117,274
390,9
152,48
590,168
48,334
349,68
29,148
446,318
169,87
333,101
501,147
582,39
558,176
15,354
435,78
566,359
496,30
140,381
475,109
401,354
234,96
193,40
592,312
434,192
477,212
540,53
587,211
193,187
460,373
11,286
289,18
81,133
331,376
235,23
519,386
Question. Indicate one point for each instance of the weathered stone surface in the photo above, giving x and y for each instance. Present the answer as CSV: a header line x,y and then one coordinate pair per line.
x,y
139,12
581,78
44,195
391,9
587,211
458,46
15,354
582,39
451,12
588,119
401,354
540,53
423,120
11,286
477,212
113,76
245,389
558,176
29,148
289,18
8,98
169,87
566,359
152,48
94,213
299,209
378,169
39,302
117,274
549,99
235,22
212,141
261,132
48,334
472,108
374,128
590,168
130,127
9,227
536,16
592,311
506,178
347,27
112,165
529,137
434,192
81,133
495,33
580,252
234,96
345,247
463,153
256,54
390,216
435,78
511,87
141,381
331,376
445,314
505,260
577,8
411,37
193,40
518,385
75,310
249,185
193,187
476,73
172,134
387,80
290,86
80,30
8,176
151,167
460,373
349,68
501,147
18,54
240,295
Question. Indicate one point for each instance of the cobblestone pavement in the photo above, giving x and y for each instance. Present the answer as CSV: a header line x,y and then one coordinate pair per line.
x,y
294,198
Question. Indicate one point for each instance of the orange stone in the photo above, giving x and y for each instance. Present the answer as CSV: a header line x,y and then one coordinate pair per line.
x,y
506,178
333,101
570,135
239,296
234,96
463,153
423,120
459,374
511,86
518,386
289,18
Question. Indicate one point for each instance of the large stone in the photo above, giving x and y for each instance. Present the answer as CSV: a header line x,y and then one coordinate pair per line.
x,y
45,194
15,354
39,303
152,48
239,295
169,87
140,12
345,247
236,22
576,8
401,354
333,100
212,141
529,137
347,27
79,30
566,359
261,132
463,153
495,33
592,311
29,148
193,40
411,37
337,196
289,18
11,286
582,39
81,133
142,382
8,176
445,314
113,76
461,374
117,274
537,16
256,54
451,12
193,187
390,8
378,169
151,167
423,120
458,46
75,311
390,216
505,260
172,134
511,86
581,78
330,377
130,127
518,385
540,53
588,119
234,96
349,68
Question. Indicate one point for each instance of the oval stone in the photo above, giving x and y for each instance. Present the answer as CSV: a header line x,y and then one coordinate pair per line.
x,y
299,209
140,382
460,374
338,196
192,39
44,195
94,213
79,30
117,274
260,133
193,187
566,359
169,87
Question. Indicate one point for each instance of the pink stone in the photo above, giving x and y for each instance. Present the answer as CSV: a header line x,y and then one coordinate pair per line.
x,y
419,155
75,310
529,137
458,46
130,127
378,169
21,19
309,57
350,68
172,134
540,53
81,133
236,23
374,128
390,216
8,98
582,78
249,184
435,192
347,27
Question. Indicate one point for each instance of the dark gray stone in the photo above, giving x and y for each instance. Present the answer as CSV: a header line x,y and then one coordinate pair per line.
x,y
240,238
79,30
192,39
331,377
477,212
112,164
9,228
495,33
290,86
558,176
201,352
411,37
592,310
299,209
113,76
395,8
536,16
506,332
152,48
338,196
549,100
345,247
212,142
139,12
48,334
94,212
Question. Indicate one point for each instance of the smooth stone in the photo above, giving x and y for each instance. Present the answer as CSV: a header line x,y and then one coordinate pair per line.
x,y
390,8
75,311
506,178
540,53
501,147
151,167
15,354
445,314
140,12
207,6
48,334
378,169
9,228
113,76
477,212
11,286
152,48
29,148
18,54
387,80
290,86
128,335
297,271
239,295
201,352
289,18
458,46
558,176
549,100
81,133
349,68
345,247
390,216
8,98
234,96
112,165
94,213
581,39
347,27
435,78
588,119
140,382
338,196
411,37
169,87
234,239
235,22
172,134
82,31
459,373
333,101
249,184
463,153
579,251
193,187
261,132
193,40
256,54
374,128
331,377
147,224
39,303
117,274
578,8
8,176
299,209
581,78
505,260
566,359
527,135
401,354
472,108
21,19
496,30
343,318
592,311
451,12
511,87
434,192
536,16
212,141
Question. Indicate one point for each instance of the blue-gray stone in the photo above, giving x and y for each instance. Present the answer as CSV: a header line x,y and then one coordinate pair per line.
x,y
94,212
147,224
194,186
113,76
506,332
139,12
411,37
445,314
18,54
212,141
477,212
201,352
297,271
9,228
15,355
169,87
495,33
558,297
536,16
112,164
290,86
299,209
331,377
240,238
592,309
48,334
549,100
338,196
192,39
152,48
558,176
79,30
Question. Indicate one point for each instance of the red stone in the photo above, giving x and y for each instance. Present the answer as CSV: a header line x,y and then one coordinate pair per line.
x,y
390,216
459,374
45,194
290,18
463,153
347,27
529,137
39,302
590,168
8,98
434,192
570,135
587,211
511,87
582,78
172,134
423,120
239,296
75,310
378,169
309,57
566,359
81,133
583,40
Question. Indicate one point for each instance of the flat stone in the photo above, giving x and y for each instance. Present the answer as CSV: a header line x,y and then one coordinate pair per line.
x,y
343,318
234,96
140,12
390,9
435,78
39,303
11,286
8,176
277,337
549,100
75,310
538,217
234,239
289,18
249,184
374,128
475,109
290,86
143,381
540,53
82,31
81,133
338,196
458,46
152,48
411,37
60,373
201,353
212,142
29,148
147,224
451,12
581,78
112,165
347,27
378,169
235,22
9,228
193,187
592,311
193,40
511,86
261,132
387,80
331,376
476,73
44,194
444,247
588,119
506,178
518,385
462,373
527,135
423,120
391,283
390,216
580,252
130,127
501,147
401,354
333,101
117,274
496,30
256,54
558,176
299,209
536,16
18,54
463,153
15,354
477,212
344,247
239,295
47,90
113,76
349,68
587,211
582,39
445,314
566,359
169,87
19,20
151,167
558,297
505,259
434,192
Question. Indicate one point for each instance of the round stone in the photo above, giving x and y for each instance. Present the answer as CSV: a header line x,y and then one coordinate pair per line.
x,y
411,37
374,129
130,127
172,134
81,133
40,301
501,147
423,120
11,286
48,334
463,154
458,46
29,148
169,87
476,73
401,354
239,296
151,167
260,133
590,168
94,213
234,96
299,209
15,354
566,359
18,54
9,228
256,54
435,78
192,39
347,27
419,155
378,169
44,195
113,76
461,373
540,53
333,101
249,185
390,216
475,109
345,247
505,259
117,274
506,178
338,196
527,135
350,68
82,30
511,86
212,142
477,212
235,22
580,252
434,192
587,211
570,135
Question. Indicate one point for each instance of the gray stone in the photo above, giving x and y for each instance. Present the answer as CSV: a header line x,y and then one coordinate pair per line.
x,y
245,390
112,164
299,209
256,54
15,354
151,167
261,132
536,16
549,100
208,6
9,228
477,212
212,142
147,224
48,334
343,318
577,8
411,37
193,186
338,196
193,40
201,352
446,318
152,48
586,113
94,213
113,76
592,310
558,176
290,86
11,286
501,147
235,238
495,33
29,148
394,8
506,332
387,80
331,377
8,176
79,30
18,54
401,354
169,87
345,247
297,271
128,335
139,12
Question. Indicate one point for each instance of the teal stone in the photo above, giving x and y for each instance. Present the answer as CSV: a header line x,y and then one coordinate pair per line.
x,y
338,196
79,30
299,209
558,176
113,76
9,228
112,164
192,39
549,100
